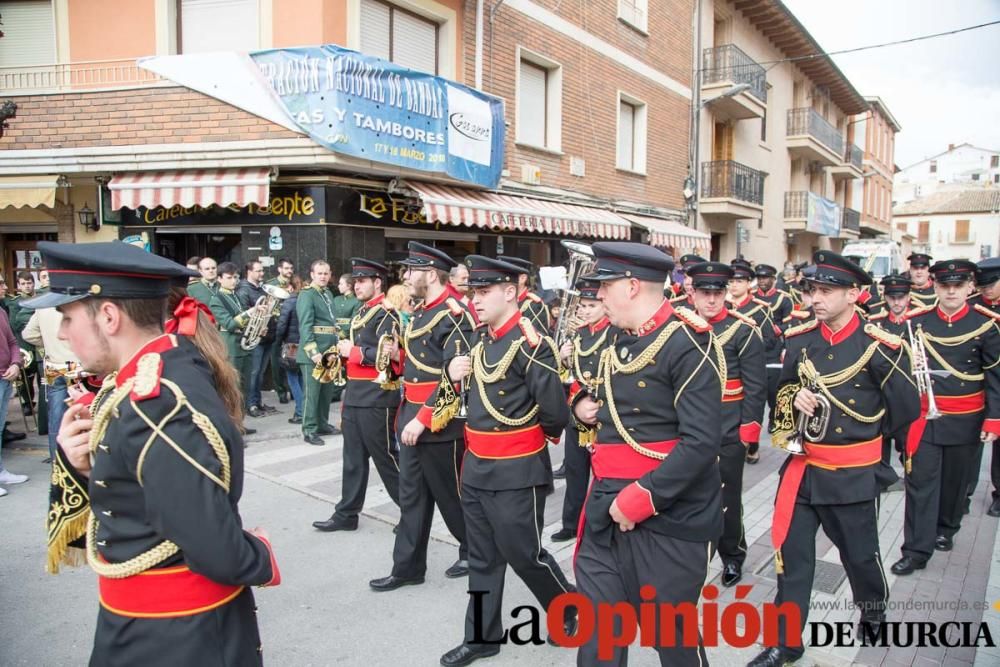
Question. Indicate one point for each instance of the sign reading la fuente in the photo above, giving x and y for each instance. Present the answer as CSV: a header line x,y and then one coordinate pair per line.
x,y
374,109
285,206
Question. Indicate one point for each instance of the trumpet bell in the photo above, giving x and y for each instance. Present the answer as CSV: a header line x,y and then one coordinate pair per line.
x,y
795,446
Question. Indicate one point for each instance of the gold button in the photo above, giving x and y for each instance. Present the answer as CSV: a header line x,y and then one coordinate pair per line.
x,y
641,383
502,392
830,357
839,430
851,401
101,483
635,409
104,448
599,425
496,428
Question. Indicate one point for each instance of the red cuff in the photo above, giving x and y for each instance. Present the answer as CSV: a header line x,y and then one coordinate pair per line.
x,y
355,357
992,426
424,416
553,439
750,432
636,503
275,572
574,389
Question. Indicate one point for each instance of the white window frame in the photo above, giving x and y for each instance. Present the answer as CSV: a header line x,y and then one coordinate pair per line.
x,y
399,9
553,100
639,133
437,12
634,13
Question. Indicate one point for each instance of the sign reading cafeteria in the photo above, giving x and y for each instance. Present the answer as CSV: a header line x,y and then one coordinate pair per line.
x,y
285,206
374,109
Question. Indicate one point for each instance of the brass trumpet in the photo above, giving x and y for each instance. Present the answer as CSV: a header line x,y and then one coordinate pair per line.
x,y
463,410
383,360
921,371
330,368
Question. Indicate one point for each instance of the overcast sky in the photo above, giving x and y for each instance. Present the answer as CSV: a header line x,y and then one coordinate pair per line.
x,y
943,90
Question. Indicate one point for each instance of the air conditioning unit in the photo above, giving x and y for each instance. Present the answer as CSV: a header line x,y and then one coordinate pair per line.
x,y
531,174
577,166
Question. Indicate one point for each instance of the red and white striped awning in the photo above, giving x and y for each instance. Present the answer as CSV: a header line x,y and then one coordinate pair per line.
x,y
671,234
202,187
512,213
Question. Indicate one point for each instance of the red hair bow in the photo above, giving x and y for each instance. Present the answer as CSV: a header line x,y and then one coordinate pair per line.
x,y
185,320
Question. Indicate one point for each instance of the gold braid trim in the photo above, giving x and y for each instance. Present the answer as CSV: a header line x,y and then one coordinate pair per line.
x,y
783,424
580,353
483,377
729,332
426,329
67,519
957,340
968,377
809,376
360,323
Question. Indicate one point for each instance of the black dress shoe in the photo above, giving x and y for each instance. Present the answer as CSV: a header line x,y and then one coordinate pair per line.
x,y
314,439
283,398
560,472
249,431
994,509
564,535
13,436
732,573
466,654
268,409
906,565
775,656
27,411
295,420
392,582
254,411
335,523
942,543
569,628
459,568
328,430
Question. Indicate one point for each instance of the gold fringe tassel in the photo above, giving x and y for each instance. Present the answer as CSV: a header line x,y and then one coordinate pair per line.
x,y
909,465
59,550
446,406
779,564
587,437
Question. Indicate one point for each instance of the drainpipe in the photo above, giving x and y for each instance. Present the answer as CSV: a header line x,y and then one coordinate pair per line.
x,y
493,13
696,116
479,44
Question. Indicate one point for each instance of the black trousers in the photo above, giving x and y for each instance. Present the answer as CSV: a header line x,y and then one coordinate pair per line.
x,y
732,544
506,527
854,530
369,433
576,460
611,567
429,474
975,463
885,474
935,495
995,469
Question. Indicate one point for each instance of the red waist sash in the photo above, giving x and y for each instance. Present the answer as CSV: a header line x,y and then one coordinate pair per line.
x,y
356,371
505,444
623,462
164,593
829,457
733,385
419,392
946,405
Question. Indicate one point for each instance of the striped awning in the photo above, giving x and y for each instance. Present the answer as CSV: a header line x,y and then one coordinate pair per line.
x,y
31,191
671,234
202,187
512,213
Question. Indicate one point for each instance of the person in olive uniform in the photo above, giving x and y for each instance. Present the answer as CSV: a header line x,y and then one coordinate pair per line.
x,y
742,402
864,373
231,318
988,282
654,512
286,269
922,293
964,341
19,317
531,304
345,307
204,288
318,333
580,355
516,405
157,459
371,357
430,429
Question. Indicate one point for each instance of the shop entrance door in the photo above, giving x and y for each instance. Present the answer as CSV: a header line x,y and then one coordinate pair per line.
x,y
221,244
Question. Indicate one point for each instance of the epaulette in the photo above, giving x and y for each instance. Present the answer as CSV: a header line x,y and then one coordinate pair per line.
x,y
454,306
986,311
761,302
881,316
797,315
919,310
883,336
801,329
693,319
533,297
742,318
678,299
147,377
530,333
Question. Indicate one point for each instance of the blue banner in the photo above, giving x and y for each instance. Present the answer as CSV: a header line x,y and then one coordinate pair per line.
x,y
373,109
822,216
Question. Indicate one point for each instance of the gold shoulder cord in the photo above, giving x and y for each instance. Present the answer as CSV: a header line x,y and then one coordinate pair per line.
x,y
360,323
952,342
106,412
413,334
809,376
579,352
484,376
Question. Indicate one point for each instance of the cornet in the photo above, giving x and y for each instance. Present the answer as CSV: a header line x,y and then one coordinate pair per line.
x,y
257,326
810,427
383,360
921,371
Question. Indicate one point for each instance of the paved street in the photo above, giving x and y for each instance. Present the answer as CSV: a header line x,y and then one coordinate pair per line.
x,y
324,613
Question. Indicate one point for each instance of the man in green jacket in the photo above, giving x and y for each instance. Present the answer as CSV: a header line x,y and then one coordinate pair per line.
x,y
283,280
345,307
232,318
205,288
317,334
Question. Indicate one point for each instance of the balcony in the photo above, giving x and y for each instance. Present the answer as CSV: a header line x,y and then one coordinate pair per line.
x,y
850,226
808,212
731,191
873,226
851,166
811,137
723,67
76,77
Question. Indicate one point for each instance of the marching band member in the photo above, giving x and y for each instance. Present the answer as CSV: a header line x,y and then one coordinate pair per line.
x,y
922,293
530,303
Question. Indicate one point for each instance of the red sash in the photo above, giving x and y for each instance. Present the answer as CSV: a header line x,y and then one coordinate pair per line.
x,y
419,392
164,593
733,385
505,444
623,462
947,405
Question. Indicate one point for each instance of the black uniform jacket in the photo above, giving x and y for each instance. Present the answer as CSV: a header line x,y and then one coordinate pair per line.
x,y
372,321
660,383
980,300
746,390
760,312
780,301
881,382
967,345
588,343
923,296
516,405
534,308
439,331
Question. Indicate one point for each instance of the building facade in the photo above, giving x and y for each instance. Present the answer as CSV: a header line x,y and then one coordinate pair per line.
x,y
955,222
961,163
875,132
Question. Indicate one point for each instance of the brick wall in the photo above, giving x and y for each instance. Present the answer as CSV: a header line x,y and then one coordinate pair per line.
x,y
591,82
131,117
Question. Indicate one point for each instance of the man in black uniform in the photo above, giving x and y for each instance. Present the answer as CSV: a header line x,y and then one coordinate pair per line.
x,y
988,282
654,511
431,435
160,452
863,373
580,354
965,342
742,403
532,305
922,293
371,399
779,300
516,405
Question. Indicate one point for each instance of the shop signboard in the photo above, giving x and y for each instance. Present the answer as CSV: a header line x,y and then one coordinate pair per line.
x,y
302,205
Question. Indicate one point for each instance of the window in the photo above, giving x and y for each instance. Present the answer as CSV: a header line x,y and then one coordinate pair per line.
x,y
975,177
962,231
994,161
923,231
996,178
901,226
933,166
29,34
631,134
763,126
539,102
400,36
633,12
200,22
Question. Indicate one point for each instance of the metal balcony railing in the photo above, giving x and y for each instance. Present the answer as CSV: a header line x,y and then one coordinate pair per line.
x,y
854,156
727,179
796,204
851,220
78,76
806,121
729,63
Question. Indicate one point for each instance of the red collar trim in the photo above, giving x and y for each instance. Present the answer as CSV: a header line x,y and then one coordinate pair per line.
x,y
892,318
161,343
833,337
440,299
744,302
962,312
375,301
723,314
929,284
600,326
661,315
774,290
521,296
507,326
